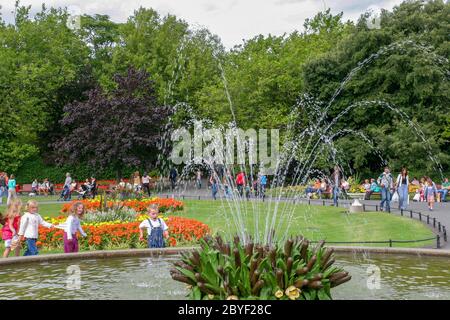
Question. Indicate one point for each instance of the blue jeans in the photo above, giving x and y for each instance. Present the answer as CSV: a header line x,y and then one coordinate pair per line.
x,y
444,193
2,190
385,199
335,195
32,249
156,238
403,196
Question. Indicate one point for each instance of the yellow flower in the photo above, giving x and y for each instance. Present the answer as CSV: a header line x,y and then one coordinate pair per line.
x,y
279,294
210,296
292,292
232,298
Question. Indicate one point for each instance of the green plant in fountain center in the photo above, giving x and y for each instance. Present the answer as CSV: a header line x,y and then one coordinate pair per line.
x,y
224,270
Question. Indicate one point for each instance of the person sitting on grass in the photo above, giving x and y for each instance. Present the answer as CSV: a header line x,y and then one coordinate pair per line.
x,y
29,227
11,228
157,229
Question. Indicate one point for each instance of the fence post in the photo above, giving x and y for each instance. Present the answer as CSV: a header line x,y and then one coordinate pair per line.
x,y
434,222
183,197
445,233
420,216
428,219
439,226
390,243
401,212
438,242
323,203
411,213
198,197
364,207
309,202
376,208
167,196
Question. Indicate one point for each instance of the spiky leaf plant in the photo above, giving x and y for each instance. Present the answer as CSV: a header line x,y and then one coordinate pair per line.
x,y
230,270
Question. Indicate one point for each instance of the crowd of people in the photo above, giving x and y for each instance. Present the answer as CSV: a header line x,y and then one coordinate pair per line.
x,y
85,189
42,188
388,187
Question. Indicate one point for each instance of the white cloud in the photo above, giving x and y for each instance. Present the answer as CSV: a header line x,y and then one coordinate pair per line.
x,y
232,20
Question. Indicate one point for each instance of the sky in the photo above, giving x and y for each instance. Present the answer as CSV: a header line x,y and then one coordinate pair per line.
x,y
231,20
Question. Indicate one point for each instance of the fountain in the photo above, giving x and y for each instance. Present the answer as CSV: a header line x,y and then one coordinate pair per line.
x,y
296,276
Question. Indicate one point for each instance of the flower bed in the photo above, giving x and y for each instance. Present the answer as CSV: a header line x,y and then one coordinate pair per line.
x,y
139,206
117,234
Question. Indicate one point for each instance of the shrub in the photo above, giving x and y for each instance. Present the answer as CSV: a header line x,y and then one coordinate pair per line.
x,y
255,271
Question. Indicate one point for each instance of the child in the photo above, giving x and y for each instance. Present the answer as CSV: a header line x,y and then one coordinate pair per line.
x,y
11,228
366,187
29,227
157,229
247,192
71,226
430,193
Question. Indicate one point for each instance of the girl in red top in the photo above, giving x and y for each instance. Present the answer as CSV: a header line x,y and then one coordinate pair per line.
x,y
11,228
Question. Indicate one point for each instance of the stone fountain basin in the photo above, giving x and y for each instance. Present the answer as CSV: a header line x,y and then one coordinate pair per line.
x,y
144,274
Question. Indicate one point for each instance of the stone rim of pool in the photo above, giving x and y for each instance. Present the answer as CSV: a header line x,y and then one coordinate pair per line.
x,y
173,251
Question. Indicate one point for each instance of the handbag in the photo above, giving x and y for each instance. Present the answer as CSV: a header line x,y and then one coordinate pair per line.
x,y
395,197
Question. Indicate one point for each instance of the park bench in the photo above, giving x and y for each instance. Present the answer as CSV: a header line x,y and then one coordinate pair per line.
x,y
25,188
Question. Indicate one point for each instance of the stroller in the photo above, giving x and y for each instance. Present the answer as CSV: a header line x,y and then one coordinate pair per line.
x,y
85,191
65,194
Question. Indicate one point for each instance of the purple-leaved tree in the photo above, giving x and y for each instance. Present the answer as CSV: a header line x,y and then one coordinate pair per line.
x,y
115,129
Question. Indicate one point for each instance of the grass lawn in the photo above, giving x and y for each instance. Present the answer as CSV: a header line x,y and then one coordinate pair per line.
x,y
314,222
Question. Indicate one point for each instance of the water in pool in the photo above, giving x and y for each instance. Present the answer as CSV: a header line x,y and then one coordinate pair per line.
x,y
401,277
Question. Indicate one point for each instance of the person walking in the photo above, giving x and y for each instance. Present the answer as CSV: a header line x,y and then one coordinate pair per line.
x,y
214,187
445,188
3,185
240,182
173,177
199,179
386,183
29,227
146,183
72,226
11,189
262,185
136,182
66,188
336,184
430,193
402,185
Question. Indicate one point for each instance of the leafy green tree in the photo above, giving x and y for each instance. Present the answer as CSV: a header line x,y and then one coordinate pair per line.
x,y
412,77
118,129
42,63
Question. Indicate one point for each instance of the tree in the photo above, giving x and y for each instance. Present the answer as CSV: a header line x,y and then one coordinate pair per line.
x,y
412,77
118,129
42,67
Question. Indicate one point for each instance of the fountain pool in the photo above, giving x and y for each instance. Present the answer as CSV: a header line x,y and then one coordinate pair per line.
x,y
401,277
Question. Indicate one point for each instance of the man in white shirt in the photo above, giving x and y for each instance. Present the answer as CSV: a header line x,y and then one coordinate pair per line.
x,y
146,183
